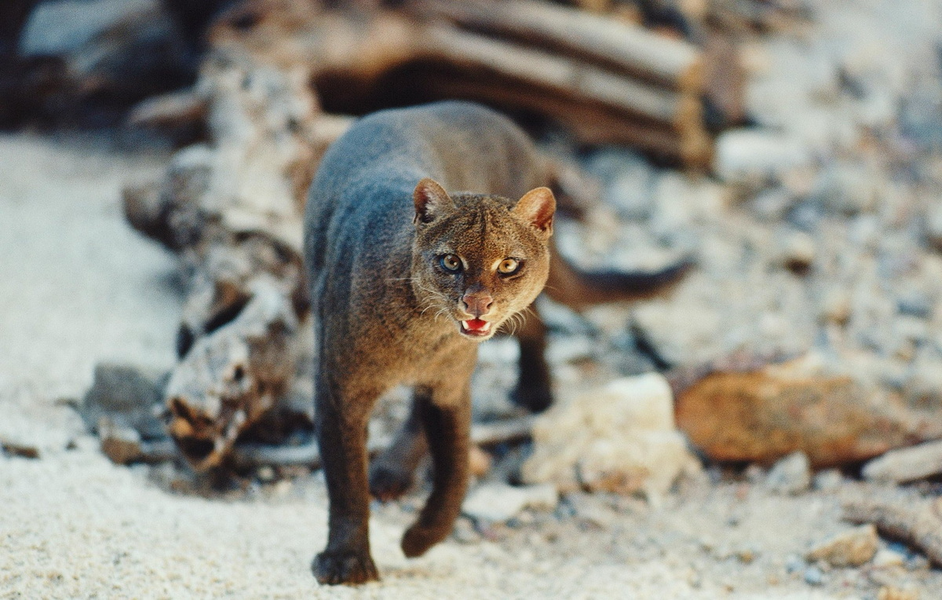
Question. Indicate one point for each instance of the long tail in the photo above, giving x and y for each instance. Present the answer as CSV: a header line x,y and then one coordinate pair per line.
x,y
576,288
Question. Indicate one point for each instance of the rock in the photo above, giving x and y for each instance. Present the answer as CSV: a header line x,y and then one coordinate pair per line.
x,y
628,179
17,449
750,155
848,549
499,502
790,475
886,558
814,576
849,189
828,479
906,464
889,592
618,438
933,226
480,461
120,443
796,251
915,305
127,396
764,414
835,306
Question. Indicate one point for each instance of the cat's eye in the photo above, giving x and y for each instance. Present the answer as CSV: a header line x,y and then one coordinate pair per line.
x,y
508,266
450,262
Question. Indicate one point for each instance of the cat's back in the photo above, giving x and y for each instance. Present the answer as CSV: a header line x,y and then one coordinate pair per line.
x,y
366,178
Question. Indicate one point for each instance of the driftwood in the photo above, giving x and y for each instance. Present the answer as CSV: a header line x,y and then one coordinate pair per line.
x,y
763,414
232,377
622,81
919,523
906,464
620,46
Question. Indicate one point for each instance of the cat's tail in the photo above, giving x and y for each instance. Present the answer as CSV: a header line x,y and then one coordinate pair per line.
x,y
577,288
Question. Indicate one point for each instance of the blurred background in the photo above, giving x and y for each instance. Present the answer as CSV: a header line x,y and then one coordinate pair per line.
x,y
792,148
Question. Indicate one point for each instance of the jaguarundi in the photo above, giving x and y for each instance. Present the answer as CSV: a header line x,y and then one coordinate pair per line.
x,y
406,280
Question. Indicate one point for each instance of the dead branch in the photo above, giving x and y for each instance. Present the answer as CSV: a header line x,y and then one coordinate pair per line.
x,y
232,377
482,434
906,464
919,525
591,38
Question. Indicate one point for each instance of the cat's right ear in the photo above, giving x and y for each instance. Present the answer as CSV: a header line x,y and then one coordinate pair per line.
x,y
431,201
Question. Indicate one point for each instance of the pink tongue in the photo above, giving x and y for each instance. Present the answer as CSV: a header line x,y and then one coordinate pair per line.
x,y
475,324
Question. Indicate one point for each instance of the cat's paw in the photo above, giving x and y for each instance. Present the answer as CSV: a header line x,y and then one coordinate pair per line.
x,y
332,568
418,539
388,483
535,399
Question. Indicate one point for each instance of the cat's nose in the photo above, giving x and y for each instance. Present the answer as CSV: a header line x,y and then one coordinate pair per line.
x,y
477,303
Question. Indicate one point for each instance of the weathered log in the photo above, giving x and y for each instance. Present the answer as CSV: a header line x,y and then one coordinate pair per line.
x,y
232,377
482,434
918,523
359,60
581,35
572,78
906,464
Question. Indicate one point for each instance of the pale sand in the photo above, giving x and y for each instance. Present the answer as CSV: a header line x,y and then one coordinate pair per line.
x,y
77,286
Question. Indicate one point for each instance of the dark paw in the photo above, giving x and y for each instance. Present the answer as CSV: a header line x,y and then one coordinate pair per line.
x,y
388,484
332,568
535,399
418,539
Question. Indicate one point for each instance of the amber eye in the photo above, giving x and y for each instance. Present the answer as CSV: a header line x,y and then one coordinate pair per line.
x,y
450,262
508,266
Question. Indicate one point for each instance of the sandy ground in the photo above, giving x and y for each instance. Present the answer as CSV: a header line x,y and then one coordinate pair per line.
x,y
77,286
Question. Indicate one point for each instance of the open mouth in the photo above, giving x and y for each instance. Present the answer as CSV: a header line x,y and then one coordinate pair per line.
x,y
476,328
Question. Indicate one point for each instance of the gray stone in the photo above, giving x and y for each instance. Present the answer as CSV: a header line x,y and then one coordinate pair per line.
x,y
499,502
618,438
814,576
750,155
829,479
790,475
849,189
851,548
933,226
126,396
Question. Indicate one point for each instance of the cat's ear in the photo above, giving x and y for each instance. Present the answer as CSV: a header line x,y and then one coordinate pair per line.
x,y
431,201
537,208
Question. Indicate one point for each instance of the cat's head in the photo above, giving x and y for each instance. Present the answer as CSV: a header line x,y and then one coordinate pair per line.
x,y
479,259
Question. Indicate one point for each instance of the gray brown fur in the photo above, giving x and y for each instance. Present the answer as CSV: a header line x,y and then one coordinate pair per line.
x,y
386,312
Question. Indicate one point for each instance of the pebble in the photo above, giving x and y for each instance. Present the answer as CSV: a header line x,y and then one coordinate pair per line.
x,y
797,251
835,306
851,548
814,576
915,305
829,479
499,502
886,558
889,592
790,475
849,189
933,226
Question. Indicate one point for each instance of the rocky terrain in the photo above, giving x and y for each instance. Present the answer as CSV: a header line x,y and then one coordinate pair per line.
x,y
818,236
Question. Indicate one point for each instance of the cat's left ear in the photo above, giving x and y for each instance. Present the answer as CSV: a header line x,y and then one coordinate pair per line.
x,y
537,208
431,201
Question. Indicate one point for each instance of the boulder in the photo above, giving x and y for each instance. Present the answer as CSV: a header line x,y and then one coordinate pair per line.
x,y
619,438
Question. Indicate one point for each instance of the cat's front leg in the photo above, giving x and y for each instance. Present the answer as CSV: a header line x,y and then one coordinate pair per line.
x,y
446,418
341,431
